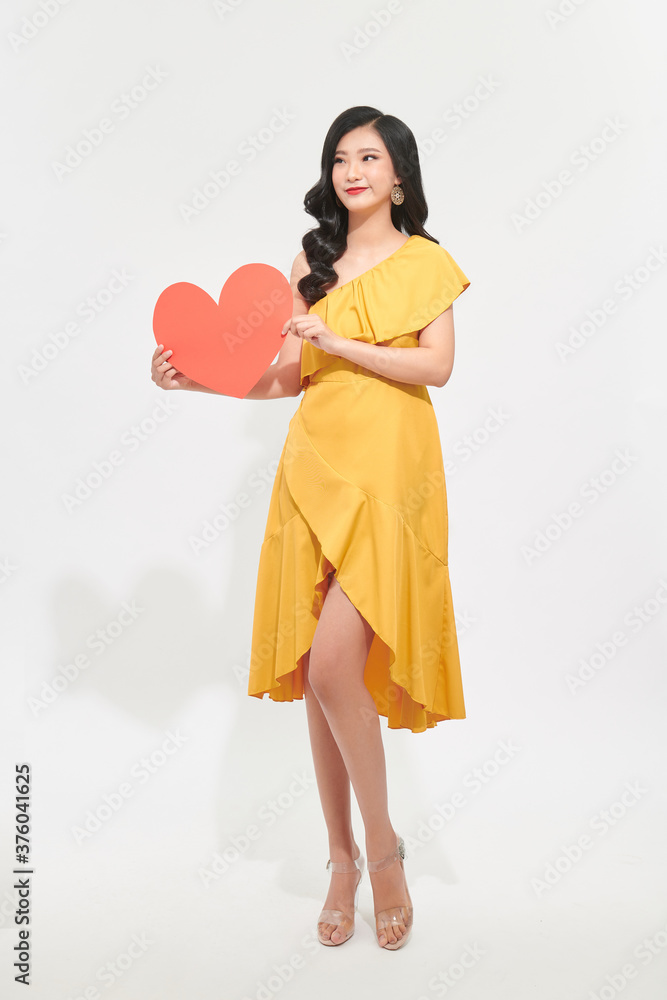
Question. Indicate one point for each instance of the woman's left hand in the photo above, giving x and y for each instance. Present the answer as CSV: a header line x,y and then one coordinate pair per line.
x,y
312,327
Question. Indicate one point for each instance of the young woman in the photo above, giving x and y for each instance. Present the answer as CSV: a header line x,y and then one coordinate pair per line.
x,y
353,607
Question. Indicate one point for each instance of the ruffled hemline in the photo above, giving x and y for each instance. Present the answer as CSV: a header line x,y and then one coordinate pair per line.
x,y
400,587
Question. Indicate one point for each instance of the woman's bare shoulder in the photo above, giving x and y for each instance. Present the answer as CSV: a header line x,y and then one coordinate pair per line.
x,y
300,266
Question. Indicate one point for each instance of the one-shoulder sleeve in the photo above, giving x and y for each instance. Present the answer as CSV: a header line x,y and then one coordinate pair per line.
x,y
441,282
395,299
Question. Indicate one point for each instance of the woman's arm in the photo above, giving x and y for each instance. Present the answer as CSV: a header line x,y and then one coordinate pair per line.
x,y
283,377
430,363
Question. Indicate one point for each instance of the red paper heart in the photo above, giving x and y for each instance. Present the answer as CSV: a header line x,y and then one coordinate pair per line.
x,y
229,344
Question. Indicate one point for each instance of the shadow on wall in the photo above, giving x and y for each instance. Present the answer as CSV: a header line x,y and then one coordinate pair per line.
x,y
166,642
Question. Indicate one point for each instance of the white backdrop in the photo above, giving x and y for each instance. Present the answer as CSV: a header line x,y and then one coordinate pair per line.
x,y
177,841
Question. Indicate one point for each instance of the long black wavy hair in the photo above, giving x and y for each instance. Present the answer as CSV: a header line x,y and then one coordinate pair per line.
x,y
325,244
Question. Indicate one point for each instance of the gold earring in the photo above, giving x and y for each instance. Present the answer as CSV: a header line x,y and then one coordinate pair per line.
x,y
397,194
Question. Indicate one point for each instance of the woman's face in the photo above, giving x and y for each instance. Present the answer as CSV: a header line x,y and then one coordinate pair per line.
x,y
361,160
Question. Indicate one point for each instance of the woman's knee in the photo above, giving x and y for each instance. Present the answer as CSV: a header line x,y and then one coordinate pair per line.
x,y
312,672
322,672
340,646
318,676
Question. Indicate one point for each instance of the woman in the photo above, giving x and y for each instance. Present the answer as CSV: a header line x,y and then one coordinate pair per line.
x,y
353,608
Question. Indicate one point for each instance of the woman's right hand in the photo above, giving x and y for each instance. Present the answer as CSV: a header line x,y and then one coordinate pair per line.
x,y
165,375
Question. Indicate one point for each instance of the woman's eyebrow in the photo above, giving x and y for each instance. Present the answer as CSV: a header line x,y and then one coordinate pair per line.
x,y
366,149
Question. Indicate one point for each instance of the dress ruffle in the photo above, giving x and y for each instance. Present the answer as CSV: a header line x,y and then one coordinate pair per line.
x,y
393,301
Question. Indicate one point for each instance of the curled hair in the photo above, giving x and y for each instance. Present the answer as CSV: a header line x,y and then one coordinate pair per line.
x,y
325,244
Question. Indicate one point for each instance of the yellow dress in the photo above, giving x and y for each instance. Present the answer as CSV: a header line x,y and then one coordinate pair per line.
x,y
360,489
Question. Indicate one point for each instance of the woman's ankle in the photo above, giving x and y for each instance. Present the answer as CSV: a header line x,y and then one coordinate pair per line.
x,y
343,848
380,843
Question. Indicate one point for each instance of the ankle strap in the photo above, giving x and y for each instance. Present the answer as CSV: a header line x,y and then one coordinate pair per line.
x,y
346,866
378,866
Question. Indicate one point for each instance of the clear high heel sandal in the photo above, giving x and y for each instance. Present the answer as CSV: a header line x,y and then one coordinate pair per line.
x,y
395,914
344,921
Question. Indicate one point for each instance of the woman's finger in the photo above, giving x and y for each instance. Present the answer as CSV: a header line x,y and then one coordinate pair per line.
x,y
160,352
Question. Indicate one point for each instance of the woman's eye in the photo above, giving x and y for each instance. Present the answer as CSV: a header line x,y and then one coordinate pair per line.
x,y
339,159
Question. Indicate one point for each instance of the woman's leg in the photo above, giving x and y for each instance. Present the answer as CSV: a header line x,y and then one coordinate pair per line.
x,y
333,784
347,746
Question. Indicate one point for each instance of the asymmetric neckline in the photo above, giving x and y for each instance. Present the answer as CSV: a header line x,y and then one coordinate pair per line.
x,y
375,266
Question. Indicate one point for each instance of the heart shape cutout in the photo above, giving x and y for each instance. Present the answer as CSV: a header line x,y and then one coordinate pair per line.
x,y
225,345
